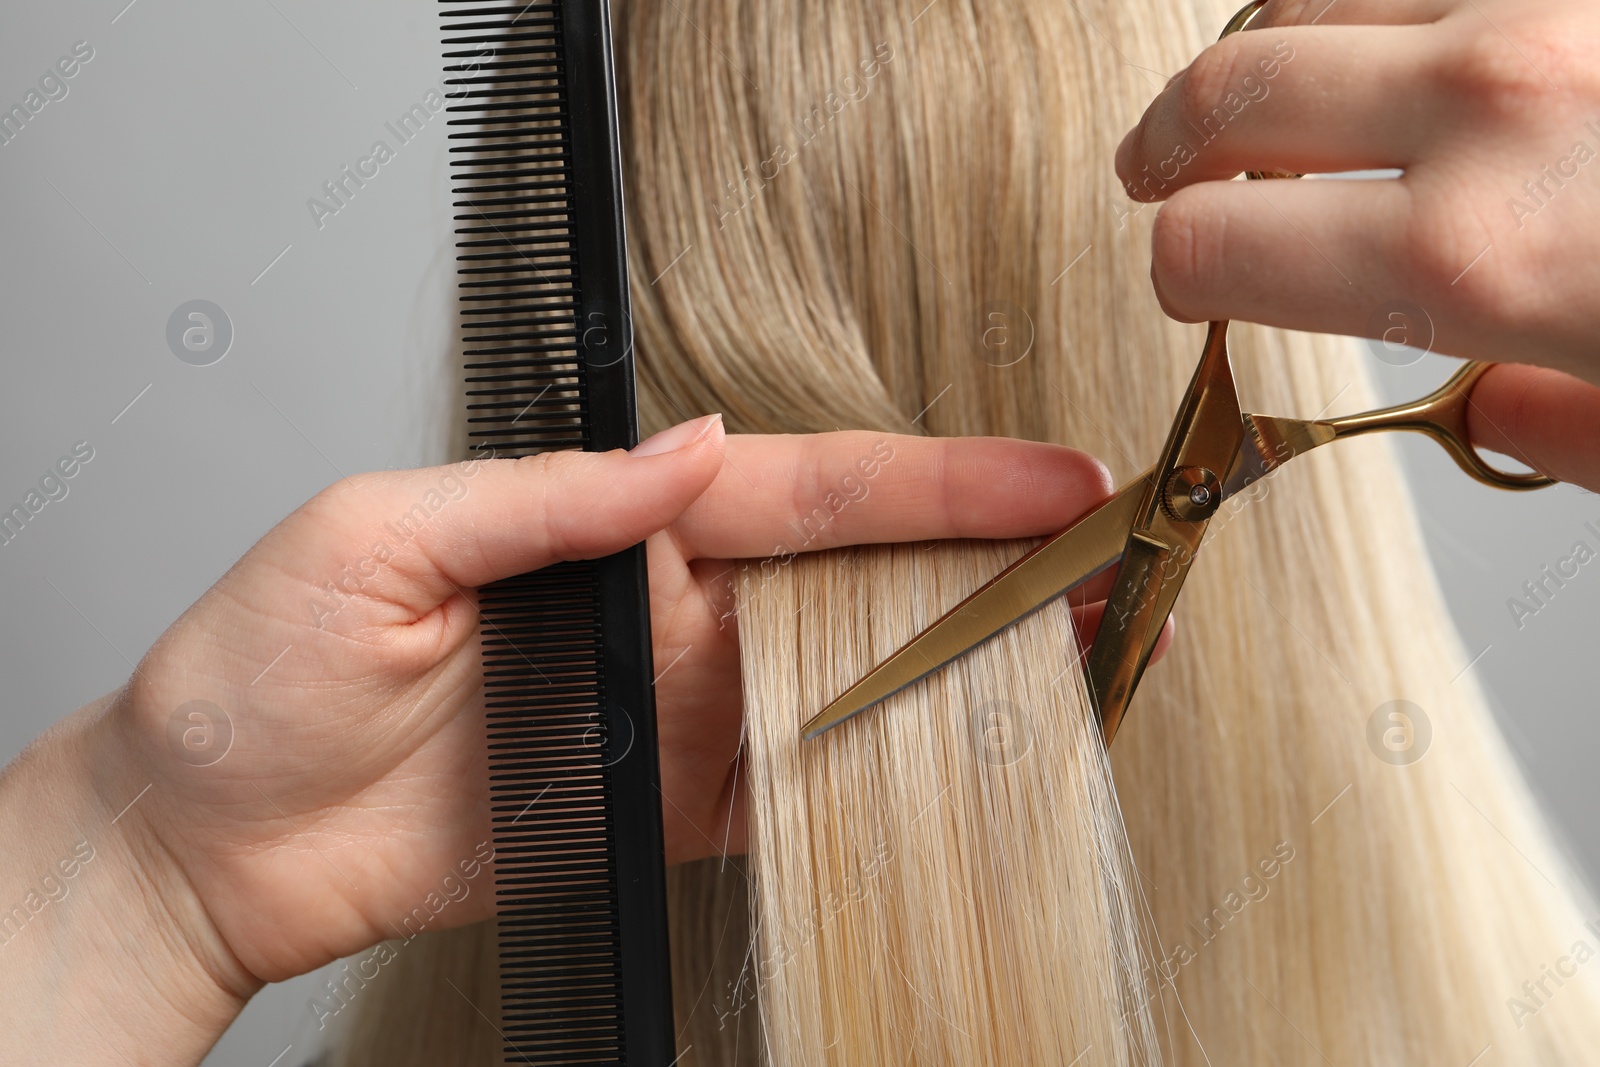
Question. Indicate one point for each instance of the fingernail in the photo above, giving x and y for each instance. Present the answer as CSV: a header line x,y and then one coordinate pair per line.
x,y
676,437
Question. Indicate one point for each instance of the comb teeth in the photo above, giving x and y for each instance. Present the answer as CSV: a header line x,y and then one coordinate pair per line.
x,y
510,158
574,795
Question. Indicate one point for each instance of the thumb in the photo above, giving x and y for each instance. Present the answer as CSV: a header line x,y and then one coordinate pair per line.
x,y
415,538
1541,417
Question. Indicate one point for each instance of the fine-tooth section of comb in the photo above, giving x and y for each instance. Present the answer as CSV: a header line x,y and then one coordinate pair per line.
x,y
547,340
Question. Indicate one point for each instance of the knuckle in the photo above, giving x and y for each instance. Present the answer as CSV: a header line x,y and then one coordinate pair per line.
x,y
1440,242
1498,295
535,466
1504,73
1432,246
1215,72
806,492
343,497
1460,262
539,470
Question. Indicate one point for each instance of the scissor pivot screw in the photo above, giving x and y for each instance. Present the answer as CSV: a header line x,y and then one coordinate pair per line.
x,y
1192,494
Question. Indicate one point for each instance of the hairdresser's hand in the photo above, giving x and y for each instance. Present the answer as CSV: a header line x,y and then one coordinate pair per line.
x,y
1488,247
304,749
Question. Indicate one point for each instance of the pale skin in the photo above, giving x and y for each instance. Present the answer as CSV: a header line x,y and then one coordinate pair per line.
x,y
357,774
1471,99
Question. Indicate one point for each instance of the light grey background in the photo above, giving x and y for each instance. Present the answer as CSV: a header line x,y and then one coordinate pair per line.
x,y
178,168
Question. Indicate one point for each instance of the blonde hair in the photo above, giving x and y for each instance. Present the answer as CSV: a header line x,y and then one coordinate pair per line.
x,y
834,208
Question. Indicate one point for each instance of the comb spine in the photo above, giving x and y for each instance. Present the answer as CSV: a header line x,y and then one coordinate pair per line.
x,y
606,344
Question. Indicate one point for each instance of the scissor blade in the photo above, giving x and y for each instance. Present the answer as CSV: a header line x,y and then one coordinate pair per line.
x,y
1068,559
1268,443
1135,613
1168,528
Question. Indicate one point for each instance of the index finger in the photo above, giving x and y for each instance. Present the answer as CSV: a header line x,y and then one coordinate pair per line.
x,y
1336,85
781,494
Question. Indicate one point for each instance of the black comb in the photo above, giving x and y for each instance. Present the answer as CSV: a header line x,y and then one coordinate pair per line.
x,y
547,339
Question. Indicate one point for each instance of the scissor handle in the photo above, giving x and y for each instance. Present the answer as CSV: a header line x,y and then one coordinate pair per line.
x,y
1242,17
1442,415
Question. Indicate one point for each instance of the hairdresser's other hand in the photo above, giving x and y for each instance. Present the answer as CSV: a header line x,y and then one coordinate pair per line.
x,y
334,781
1488,247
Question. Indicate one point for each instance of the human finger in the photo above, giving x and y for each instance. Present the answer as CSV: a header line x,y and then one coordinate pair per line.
x,y
1543,418
784,494
1318,256
1299,100
1352,12
409,540
1087,619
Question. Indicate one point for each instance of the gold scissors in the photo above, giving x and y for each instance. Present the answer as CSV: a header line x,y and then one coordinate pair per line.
x,y
1155,524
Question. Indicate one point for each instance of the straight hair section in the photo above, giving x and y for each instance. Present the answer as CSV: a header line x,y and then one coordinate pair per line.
x,y
946,880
